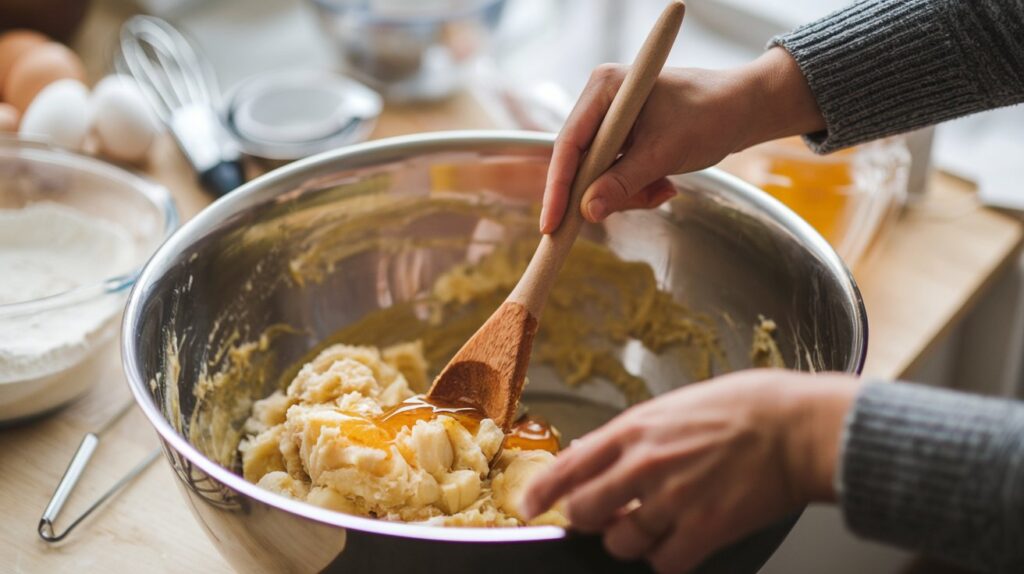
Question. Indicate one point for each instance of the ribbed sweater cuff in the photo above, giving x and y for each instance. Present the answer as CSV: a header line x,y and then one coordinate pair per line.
x,y
882,67
936,471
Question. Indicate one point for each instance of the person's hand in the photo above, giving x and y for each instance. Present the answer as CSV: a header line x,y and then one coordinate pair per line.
x,y
675,478
692,120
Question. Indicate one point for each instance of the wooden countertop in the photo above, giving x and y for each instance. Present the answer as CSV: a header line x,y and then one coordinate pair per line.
x,y
934,263
929,270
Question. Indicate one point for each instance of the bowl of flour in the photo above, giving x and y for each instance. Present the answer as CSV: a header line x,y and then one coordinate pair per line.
x,y
74,231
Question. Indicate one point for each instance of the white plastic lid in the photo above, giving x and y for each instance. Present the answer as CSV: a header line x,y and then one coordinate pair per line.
x,y
289,115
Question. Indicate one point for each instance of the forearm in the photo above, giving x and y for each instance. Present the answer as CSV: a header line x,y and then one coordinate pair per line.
x,y
814,413
936,471
881,67
777,102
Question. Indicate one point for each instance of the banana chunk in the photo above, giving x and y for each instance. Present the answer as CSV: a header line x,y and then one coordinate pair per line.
x,y
341,437
517,469
459,489
433,451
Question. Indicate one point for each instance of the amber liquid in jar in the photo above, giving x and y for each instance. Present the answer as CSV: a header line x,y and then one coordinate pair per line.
x,y
821,189
820,192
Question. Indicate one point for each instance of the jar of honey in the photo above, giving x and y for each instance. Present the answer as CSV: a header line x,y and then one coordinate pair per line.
x,y
847,196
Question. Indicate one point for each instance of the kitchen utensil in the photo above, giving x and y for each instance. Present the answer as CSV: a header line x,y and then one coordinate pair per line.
x,y
182,90
74,472
410,51
54,348
490,369
393,216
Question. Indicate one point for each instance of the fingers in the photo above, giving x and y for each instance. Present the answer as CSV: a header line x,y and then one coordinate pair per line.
x,y
638,532
594,504
686,546
577,464
653,195
623,186
574,139
565,158
626,185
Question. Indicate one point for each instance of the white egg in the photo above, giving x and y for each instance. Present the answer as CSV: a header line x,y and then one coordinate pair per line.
x,y
59,114
124,123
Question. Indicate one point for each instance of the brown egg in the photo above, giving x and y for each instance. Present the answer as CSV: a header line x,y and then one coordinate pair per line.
x,y
9,117
38,68
13,44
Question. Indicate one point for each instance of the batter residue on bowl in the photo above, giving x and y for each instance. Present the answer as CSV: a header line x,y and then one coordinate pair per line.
x,y
329,435
349,434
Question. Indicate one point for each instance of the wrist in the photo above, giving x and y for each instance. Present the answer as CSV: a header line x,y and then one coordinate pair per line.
x,y
778,99
817,409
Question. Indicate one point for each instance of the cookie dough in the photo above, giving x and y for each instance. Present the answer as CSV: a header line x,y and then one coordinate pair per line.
x,y
764,351
599,303
350,434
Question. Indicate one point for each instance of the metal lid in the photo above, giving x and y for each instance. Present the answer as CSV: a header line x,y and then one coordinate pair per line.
x,y
291,115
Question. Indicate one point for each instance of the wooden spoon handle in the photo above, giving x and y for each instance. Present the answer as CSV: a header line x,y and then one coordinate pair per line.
x,y
533,288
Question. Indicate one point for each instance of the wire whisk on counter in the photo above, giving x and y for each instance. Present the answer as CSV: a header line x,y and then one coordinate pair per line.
x,y
182,90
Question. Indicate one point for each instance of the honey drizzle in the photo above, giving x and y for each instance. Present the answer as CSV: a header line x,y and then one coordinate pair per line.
x,y
528,433
408,412
533,433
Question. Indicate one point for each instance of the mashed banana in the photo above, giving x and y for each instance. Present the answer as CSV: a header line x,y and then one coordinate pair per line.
x,y
332,439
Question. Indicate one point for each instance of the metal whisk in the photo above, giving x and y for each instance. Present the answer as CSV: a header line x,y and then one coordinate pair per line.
x,y
182,90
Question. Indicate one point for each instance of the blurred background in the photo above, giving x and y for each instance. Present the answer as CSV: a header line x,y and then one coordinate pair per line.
x,y
525,61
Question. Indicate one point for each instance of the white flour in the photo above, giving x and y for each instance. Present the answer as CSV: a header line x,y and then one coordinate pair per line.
x,y
47,249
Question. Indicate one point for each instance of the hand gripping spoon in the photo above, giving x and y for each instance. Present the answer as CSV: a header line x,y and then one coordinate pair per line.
x,y
489,371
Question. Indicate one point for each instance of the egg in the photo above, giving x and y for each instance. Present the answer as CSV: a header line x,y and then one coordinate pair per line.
x,y
122,119
9,117
13,45
59,114
36,69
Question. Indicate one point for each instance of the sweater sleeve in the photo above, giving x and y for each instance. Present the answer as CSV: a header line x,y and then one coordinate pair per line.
x,y
882,67
936,471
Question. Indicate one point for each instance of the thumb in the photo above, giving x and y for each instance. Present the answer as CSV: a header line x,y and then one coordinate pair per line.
x,y
615,189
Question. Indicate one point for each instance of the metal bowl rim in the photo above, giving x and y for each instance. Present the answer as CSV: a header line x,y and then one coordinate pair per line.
x,y
219,211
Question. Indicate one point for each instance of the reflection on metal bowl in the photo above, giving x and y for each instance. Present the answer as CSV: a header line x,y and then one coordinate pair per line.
x,y
253,283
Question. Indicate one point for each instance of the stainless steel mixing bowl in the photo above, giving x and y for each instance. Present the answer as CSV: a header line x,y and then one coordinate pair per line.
x,y
230,274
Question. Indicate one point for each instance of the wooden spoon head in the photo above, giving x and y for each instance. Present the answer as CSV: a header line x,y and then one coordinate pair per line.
x,y
489,371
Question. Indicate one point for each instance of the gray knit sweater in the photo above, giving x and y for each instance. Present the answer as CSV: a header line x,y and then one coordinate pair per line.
x,y
927,469
883,67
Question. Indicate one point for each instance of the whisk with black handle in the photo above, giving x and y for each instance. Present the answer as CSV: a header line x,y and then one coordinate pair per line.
x,y
182,90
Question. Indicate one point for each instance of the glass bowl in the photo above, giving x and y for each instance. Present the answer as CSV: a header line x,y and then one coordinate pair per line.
x,y
74,233
409,50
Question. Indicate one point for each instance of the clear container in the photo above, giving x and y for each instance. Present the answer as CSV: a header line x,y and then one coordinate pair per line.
x,y
848,196
409,50
53,347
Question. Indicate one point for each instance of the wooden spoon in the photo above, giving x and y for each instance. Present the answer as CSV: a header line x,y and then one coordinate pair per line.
x,y
489,371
